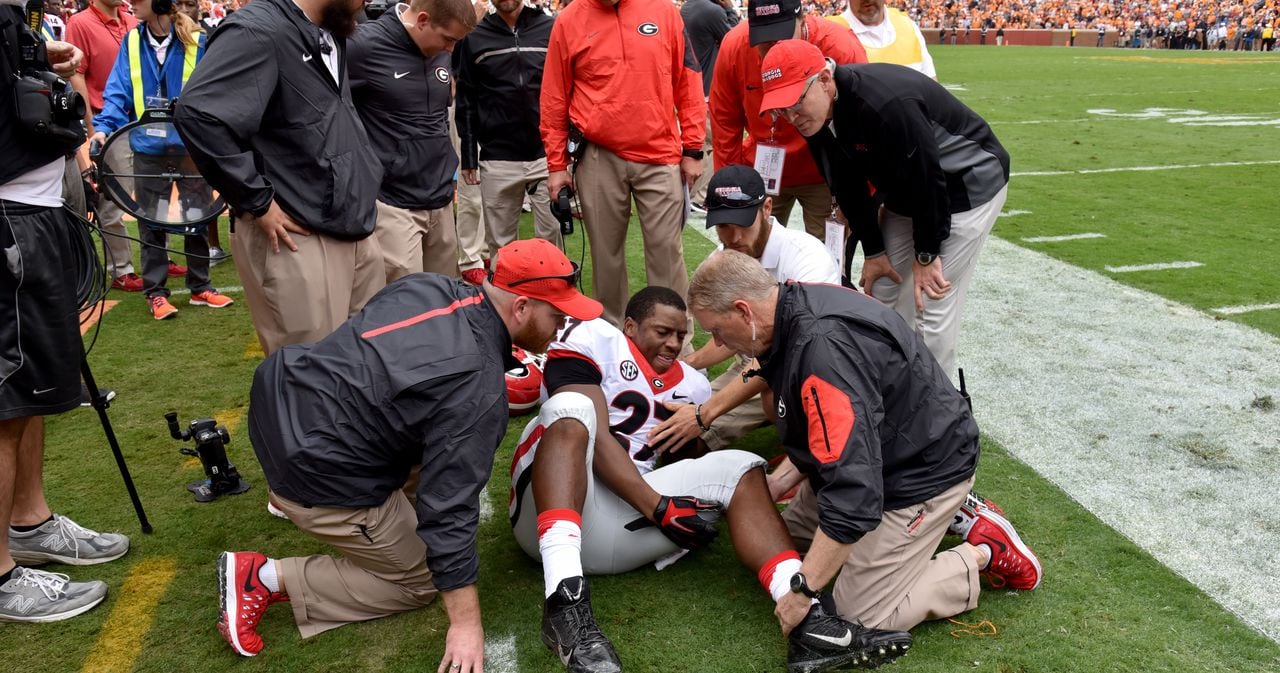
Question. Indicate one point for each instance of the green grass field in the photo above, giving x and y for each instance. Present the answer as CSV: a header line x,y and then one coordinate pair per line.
x,y
1105,603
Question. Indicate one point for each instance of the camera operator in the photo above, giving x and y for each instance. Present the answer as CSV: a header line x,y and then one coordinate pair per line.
x,y
39,126
400,82
267,116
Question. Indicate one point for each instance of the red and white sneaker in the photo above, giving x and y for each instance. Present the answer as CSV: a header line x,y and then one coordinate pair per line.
x,y
1012,563
242,599
963,518
475,276
176,270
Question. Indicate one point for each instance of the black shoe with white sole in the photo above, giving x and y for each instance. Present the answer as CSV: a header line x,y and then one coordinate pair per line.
x,y
570,630
825,642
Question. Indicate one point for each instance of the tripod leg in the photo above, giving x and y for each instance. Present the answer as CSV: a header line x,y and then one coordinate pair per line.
x,y
100,404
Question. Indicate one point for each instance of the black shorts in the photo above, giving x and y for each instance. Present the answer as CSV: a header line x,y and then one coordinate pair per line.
x,y
40,347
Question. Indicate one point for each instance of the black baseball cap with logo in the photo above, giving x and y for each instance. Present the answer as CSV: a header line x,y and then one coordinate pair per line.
x,y
734,194
772,20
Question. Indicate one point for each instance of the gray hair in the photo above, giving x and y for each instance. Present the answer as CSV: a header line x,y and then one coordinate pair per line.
x,y
725,277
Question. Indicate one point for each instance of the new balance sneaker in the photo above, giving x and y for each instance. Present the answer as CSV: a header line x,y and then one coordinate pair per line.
x,y
825,642
964,517
1012,563
61,540
161,308
570,630
176,270
129,282
475,276
37,596
242,599
210,298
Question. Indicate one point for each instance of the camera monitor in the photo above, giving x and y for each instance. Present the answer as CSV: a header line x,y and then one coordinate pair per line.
x,y
145,169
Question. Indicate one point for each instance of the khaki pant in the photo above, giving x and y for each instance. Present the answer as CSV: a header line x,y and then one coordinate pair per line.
x,y
606,185
472,250
738,421
939,324
300,297
382,570
699,192
417,240
894,577
815,201
117,256
503,184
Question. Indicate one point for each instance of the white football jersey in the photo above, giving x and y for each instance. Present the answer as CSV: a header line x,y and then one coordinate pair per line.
x,y
632,389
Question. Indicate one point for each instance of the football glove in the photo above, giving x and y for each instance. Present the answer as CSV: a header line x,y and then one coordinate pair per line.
x,y
687,521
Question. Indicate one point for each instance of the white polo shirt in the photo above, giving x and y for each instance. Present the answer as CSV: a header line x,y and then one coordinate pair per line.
x,y
792,254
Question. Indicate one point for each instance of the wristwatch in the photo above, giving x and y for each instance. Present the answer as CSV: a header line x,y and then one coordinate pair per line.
x,y
799,585
696,155
925,258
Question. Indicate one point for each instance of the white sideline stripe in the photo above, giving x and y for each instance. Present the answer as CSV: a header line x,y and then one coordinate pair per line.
x,y
1044,121
224,290
500,655
1106,390
486,507
1248,308
1066,237
1162,266
1011,213
1129,169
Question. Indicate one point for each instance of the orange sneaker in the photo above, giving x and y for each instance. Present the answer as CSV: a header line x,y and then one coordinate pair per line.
x,y
161,308
211,298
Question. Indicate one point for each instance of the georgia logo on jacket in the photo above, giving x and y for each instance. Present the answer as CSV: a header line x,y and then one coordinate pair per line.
x,y
648,29
442,74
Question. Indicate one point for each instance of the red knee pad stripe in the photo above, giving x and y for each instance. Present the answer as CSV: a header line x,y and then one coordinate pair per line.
x,y
549,518
766,573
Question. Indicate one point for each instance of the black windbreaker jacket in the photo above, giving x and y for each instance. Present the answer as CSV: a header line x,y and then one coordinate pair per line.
x,y
927,154
263,119
416,377
403,98
499,87
863,407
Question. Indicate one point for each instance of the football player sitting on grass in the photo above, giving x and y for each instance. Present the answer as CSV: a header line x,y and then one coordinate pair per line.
x,y
588,496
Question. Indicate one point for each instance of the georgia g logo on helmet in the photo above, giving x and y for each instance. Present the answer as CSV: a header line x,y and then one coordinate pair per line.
x,y
647,29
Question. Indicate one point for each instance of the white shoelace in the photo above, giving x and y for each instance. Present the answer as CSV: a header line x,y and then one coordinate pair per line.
x,y
53,585
71,531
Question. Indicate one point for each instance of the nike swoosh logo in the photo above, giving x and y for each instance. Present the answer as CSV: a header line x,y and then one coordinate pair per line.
x,y
991,541
398,75
306,58
838,642
681,398
248,579
41,392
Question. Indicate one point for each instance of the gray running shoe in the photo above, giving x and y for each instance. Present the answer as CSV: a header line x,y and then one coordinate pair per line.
x,y
64,541
39,596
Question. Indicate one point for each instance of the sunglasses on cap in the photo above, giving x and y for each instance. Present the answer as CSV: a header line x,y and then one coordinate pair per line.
x,y
737,200
573,278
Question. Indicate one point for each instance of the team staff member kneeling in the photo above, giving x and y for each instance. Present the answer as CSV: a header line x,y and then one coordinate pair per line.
x,y
594,501
886,443
416,378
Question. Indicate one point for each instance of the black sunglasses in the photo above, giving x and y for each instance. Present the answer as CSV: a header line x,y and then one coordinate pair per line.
x,y
573,278
735,200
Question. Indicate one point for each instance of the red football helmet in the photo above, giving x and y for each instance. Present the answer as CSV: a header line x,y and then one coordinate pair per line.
x,y
524,383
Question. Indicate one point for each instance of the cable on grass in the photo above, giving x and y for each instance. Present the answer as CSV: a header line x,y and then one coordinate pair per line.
x,y
983,629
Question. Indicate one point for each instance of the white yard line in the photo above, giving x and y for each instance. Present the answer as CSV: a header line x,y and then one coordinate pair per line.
x,y
1161,266
1065,237
500,655
224,290
1147,412
1013,213
1248,308
1136,169
486,507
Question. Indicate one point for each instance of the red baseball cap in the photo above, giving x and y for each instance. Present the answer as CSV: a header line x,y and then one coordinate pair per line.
x,y
537,269
784,71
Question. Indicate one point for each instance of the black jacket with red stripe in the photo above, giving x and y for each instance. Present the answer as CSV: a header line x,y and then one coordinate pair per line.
x,y
417,377
863,407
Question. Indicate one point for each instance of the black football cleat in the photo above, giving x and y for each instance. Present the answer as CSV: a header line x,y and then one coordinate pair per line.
x,y
570,630
825,642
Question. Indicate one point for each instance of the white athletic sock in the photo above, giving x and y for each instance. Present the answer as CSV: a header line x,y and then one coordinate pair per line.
x,y
560,543
267,575
775,575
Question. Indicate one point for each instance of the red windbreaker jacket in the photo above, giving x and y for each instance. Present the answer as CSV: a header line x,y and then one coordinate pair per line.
x,y
736,92
627,78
